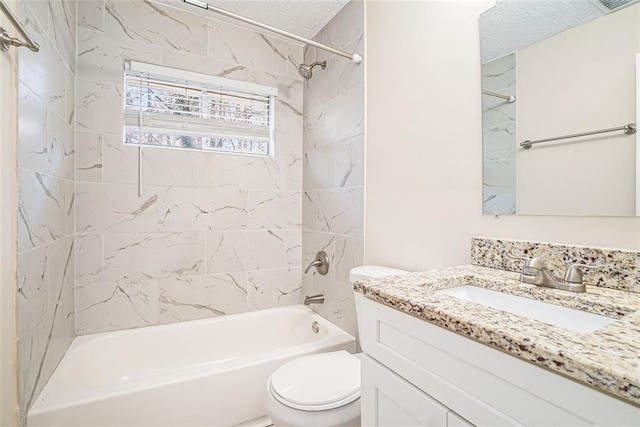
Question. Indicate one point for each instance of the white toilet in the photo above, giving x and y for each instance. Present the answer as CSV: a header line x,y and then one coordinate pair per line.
x,y
321,390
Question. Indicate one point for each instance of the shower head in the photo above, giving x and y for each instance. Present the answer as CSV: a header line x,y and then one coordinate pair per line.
x,y
306,71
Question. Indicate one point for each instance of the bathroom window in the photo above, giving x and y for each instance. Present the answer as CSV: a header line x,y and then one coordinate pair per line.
x,y
167,107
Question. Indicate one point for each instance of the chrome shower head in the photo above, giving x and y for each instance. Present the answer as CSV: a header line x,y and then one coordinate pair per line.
x,y
306,71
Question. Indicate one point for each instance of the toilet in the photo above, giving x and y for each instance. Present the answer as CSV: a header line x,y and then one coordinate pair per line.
x,y
320,390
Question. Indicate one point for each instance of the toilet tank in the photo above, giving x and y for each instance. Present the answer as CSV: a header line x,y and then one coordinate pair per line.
x,y
372,271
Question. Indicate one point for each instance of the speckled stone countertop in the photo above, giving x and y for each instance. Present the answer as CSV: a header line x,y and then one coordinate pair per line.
x,y
607,359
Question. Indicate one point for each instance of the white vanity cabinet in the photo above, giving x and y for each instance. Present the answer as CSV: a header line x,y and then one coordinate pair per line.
x,y
391,401
416,373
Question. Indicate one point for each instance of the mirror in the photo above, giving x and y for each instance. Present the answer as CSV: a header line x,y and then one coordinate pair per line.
x,y
552,69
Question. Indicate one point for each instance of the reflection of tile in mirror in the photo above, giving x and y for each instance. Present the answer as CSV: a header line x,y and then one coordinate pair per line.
x,y
496,111
499,136
499,73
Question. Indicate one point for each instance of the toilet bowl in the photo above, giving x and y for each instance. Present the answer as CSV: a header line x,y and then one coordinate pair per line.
x,y
321,390
318,390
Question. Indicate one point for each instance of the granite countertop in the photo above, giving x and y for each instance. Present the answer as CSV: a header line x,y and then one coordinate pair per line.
x,y
607,359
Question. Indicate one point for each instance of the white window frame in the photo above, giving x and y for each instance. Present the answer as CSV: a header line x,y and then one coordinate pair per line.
x,y
211,82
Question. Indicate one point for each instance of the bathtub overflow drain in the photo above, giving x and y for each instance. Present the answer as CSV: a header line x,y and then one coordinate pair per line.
x,y
315,327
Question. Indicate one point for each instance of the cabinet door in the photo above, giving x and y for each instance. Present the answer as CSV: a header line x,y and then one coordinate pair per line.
x,y
455,420
390,401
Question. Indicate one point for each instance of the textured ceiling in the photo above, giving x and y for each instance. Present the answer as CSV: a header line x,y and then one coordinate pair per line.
x,y
514,24
301,17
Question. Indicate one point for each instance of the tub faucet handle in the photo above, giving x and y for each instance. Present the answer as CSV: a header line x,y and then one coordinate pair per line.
x,y
321,263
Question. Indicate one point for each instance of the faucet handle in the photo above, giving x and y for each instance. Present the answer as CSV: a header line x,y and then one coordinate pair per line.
x,y
531,264
535,262
574,274
321,263
510,255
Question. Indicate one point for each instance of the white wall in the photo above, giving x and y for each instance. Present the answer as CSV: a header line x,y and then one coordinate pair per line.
x,y
423,159
8,220
580,80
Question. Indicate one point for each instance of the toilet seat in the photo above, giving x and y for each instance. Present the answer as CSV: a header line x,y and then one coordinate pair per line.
x,y
318,382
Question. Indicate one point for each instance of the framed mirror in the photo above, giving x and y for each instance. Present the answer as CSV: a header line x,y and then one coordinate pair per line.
x,y
559,82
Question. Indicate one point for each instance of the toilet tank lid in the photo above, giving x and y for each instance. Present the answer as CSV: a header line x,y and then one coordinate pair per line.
x,y
371,271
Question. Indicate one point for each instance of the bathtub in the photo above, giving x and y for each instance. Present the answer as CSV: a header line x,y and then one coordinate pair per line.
x,y
209,372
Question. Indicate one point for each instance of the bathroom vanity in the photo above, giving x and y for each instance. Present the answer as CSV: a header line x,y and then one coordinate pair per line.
x,y
438,359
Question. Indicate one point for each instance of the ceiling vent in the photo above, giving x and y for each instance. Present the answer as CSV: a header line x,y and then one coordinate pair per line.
x,y
608,6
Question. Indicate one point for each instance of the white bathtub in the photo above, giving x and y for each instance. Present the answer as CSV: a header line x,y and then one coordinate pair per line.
x,y
206,372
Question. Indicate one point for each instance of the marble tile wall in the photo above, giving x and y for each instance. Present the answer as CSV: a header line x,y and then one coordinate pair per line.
x,y
621,268
212,234
499,136
46,157
333,168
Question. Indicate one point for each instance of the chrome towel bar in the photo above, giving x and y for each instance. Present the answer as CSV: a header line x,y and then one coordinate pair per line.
x,y
629,129
509,98
6,41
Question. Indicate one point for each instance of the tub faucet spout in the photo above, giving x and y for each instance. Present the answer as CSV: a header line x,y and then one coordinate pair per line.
x,y
314,299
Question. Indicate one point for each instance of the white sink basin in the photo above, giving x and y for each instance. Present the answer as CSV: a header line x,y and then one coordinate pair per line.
x,y
575,320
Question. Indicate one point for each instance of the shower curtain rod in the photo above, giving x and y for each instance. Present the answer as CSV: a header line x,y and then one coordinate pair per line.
x,y
203,5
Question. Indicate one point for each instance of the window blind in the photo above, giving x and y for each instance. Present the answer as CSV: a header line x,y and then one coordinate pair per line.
x,y
167,110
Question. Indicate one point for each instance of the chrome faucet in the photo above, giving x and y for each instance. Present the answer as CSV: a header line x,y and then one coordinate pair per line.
x,y
536,272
